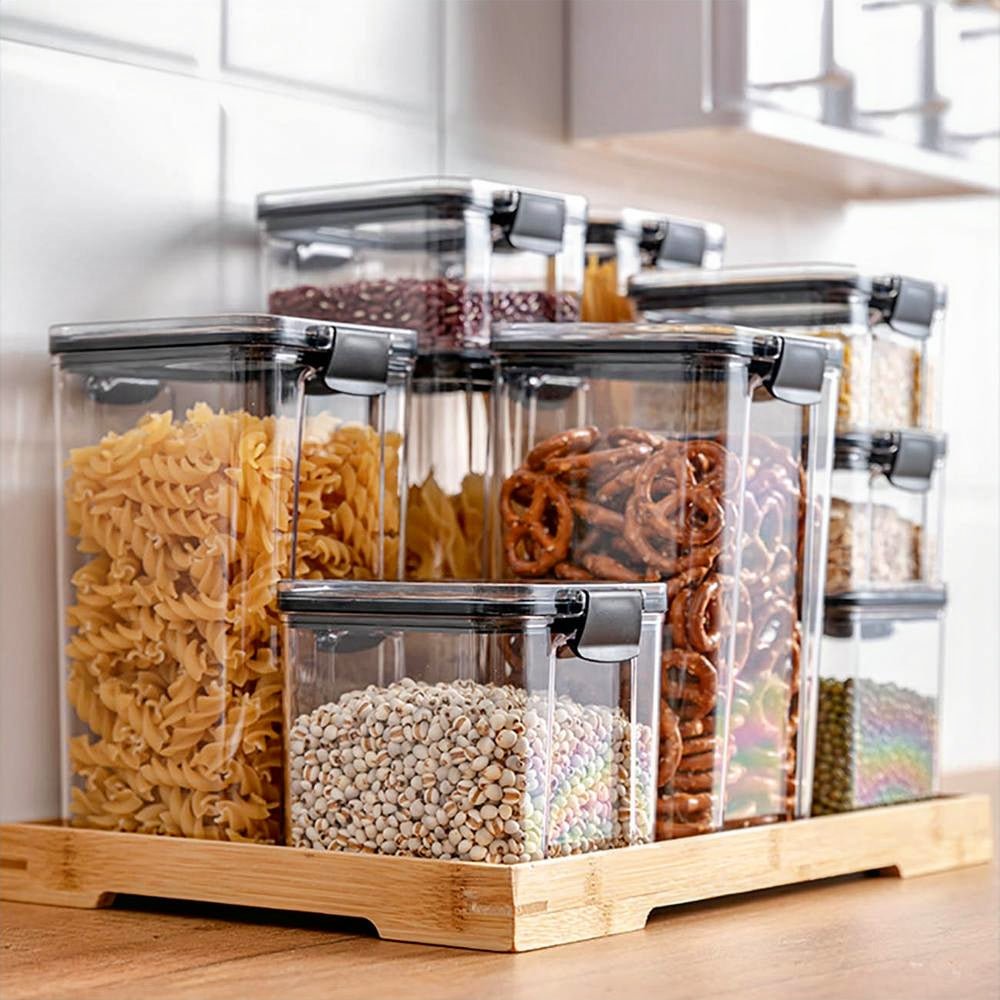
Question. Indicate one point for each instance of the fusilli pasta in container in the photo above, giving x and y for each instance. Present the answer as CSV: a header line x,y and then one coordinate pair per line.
x,y
186,448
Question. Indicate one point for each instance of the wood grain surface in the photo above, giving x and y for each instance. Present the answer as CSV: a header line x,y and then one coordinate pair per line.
x,y
935,936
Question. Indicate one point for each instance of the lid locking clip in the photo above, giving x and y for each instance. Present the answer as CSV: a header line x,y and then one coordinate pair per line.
x,y
797,375
913,461
359,363
911,306
536,223
611,627
682,243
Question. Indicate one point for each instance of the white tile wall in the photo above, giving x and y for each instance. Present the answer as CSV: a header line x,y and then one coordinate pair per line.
x,y
385,51
135,134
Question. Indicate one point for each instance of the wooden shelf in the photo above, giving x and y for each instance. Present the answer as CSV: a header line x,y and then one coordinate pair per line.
x,y
492,907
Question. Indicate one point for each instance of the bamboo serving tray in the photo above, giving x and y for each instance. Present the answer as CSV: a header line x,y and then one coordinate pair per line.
x,y
492,907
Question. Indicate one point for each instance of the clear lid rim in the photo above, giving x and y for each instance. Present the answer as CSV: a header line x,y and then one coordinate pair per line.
x,y
251,329
378,599
743,278
740,276
333,198
742,341
920,597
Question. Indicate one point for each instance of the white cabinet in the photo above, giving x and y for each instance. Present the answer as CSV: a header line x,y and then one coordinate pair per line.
x,y
860,98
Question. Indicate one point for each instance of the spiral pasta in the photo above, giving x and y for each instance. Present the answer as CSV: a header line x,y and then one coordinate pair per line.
x,y
173,670
444,533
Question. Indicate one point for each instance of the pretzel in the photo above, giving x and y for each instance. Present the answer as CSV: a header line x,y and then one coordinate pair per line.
x,y
697,727
585,460
670,830
596,516
704,612
677,618
686,578
569,571
616,485
526,530
684,804
696,699
701,513
693,763
698,745
604,567
636,434
695,781
711,463
564,443
670,744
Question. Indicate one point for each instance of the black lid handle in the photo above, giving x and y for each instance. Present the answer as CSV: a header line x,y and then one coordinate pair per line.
x,y
913,463
682,244
537,224
359,363
912,307
611,628
797,376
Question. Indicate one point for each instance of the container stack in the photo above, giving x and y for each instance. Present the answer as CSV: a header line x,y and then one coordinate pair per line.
x,y
879,695
427,566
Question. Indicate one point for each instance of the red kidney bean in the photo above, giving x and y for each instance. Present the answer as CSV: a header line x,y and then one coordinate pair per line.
x,y
445,312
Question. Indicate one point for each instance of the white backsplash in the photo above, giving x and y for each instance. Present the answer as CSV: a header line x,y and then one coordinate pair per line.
x,y
136,133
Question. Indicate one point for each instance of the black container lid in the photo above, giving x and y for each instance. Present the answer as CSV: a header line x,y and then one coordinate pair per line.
x,y
906,458
907,305
793,367
605,620
355,359
359,213
873,612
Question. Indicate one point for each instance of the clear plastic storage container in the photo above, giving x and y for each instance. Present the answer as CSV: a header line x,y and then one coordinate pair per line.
x,y
621,245
889,327
185,447
443,256
475,722
879,700
695,455
885,512
448,453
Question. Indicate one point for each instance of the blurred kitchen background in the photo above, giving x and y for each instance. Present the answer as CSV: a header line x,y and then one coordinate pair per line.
x,y
136,134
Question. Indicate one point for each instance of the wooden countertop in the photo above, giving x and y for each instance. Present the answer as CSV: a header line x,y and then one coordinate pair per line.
x,y
937,936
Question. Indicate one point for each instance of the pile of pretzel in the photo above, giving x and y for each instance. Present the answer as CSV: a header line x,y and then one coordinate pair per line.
x,y
628,505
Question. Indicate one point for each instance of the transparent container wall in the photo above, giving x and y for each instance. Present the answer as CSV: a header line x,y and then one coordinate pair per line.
x,y
777,651
631,472
905,374
179,492
447,276
604,286
448,454
877,736
888,379
487,742
881,536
